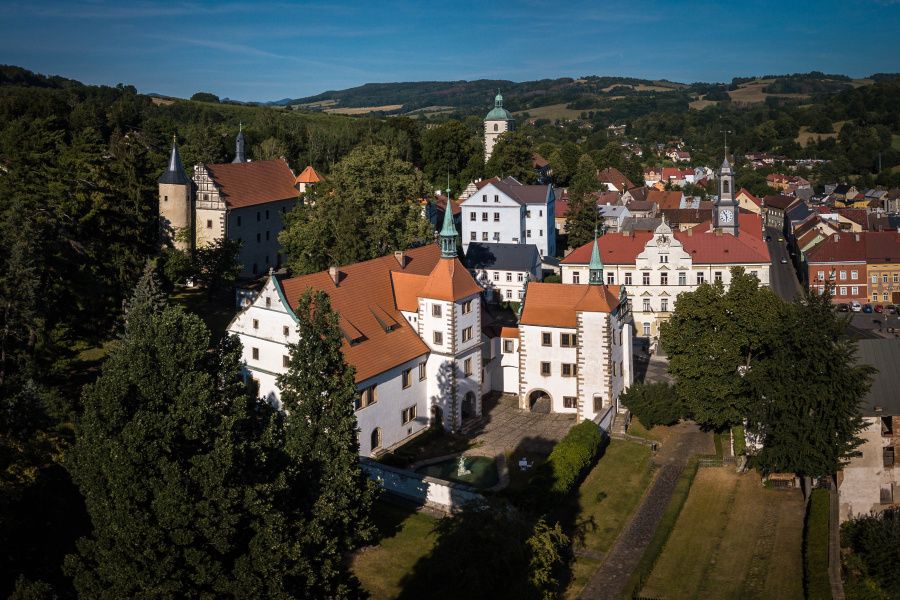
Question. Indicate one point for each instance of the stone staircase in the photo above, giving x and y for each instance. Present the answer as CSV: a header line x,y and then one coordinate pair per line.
x,y
618,431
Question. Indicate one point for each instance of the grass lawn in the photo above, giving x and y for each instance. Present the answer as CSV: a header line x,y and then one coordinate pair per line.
x,y
606,498
405,537
733,539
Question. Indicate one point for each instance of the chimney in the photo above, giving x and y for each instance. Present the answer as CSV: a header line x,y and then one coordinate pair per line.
x,y
718,231
400,255
335,275
856,236
690,232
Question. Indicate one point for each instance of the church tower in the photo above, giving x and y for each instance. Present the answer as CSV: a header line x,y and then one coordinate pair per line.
x,y
725,210
175,209
595,268
496,123
239,156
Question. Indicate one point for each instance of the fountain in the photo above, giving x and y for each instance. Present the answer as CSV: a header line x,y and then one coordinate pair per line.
x,y
461,469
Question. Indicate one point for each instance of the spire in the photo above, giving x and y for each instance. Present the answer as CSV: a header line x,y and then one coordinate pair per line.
x,y
498,100
174,173
448,231
595,268
239,145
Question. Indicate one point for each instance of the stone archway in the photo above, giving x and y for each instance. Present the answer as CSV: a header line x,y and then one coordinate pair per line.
x,y
540,401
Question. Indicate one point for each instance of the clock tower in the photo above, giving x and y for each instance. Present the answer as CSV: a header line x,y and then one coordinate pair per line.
x,y
725,210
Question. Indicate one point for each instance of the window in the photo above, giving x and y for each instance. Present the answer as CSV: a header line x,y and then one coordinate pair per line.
x,y
645,278
646,304
496,276
268,302
267,236
258,237
540,232
576,277
508,276
408,414
422,372
546,338
285,361
528,233
570,402
545,369
855,274
527,214
718,276
473,236
843,291
664,258
466,307
664,278
209,223
484,197
843,275
569,370
699,278
754,273
874,278
238,221
495,127
286,331
484,216
467,367
854,290
367,397
509,346
884,297
598,402
255,323
821,276
467,334
520,277
610,278
438,338
884,278
646,329
896,278
682,279
166,199
258,216
376,438
496,217
496,236
664,305
435,310
509,293
567,340
473,216
406,378
484,236
627,278
254,352
540,213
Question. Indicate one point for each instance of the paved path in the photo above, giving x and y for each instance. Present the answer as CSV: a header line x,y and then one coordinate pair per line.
x,y
782,277
504,427
609,581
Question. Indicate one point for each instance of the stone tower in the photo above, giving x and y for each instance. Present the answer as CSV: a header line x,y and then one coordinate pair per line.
x,y
175,207
725,210
239,154
496,123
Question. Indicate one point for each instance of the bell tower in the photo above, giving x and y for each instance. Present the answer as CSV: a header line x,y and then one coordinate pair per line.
x,y
175,207
725,210
496,123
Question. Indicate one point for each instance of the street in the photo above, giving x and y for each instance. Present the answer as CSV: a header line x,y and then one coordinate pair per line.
x,y
782,277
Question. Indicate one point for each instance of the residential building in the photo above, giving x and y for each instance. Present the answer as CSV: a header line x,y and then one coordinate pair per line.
x,y
870,482
497,122
614,180
883,266
509,212
840,261
749,202
774,207
241,201
503,270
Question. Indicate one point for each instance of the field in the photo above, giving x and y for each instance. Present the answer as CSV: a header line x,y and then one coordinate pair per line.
x,y
362,110
641,87
700,103
806,136
552,112
752,92
733,539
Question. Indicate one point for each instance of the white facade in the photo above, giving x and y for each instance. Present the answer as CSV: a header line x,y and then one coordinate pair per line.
x,y
491,215
866,484
493,129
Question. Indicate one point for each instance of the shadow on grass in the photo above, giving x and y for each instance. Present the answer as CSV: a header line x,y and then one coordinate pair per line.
x,y
516,544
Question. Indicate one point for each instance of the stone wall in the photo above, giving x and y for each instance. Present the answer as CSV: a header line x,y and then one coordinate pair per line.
x,y
438,494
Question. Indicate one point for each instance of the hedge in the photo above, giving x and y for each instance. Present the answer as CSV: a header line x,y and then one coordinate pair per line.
x,y
815,546
740,440
574,455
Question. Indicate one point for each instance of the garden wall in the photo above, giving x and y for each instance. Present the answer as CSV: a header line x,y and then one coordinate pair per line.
x,y
445,496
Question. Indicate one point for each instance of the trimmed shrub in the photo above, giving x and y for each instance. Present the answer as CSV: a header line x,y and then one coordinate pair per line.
x,y
815,546
740,441
653,403
573,456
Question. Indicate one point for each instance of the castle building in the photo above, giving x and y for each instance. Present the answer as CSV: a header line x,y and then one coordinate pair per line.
x,y
497,122
424,354
243,200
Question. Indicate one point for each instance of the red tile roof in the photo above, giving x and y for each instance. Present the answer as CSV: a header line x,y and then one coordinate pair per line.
x,y
558,304
665,199
308,175
841,247
364,299
509,332
749,196
256,182
450,281
882,246
616,177
779,201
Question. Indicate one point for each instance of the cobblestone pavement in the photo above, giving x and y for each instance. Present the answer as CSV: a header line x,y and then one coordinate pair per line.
x,y
505,427
609,581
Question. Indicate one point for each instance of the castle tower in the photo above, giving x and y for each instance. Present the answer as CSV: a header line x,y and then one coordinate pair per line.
x,y
239,156
496,123
175,208
725,210
595,268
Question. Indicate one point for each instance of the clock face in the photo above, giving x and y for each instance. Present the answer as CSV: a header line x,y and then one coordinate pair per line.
x,y
725,216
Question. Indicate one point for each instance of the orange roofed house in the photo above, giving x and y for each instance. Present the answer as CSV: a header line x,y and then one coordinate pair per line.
x,y
415,333
242,200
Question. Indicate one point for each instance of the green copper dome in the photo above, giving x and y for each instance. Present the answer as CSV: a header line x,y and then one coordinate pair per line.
x,y
498,113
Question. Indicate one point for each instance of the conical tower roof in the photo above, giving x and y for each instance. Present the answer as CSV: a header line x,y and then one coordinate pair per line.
x,y
595,267
448,231
174,173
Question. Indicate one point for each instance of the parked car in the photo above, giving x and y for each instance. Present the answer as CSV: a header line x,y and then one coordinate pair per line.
x,y
892,309
879,308
867,308
842,307
855,306
780,239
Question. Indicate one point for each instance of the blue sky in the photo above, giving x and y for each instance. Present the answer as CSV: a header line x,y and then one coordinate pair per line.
x,y
271,50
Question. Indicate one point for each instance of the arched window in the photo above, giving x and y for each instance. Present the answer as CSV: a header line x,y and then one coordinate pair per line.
x,y
725,186
376,438
496,127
